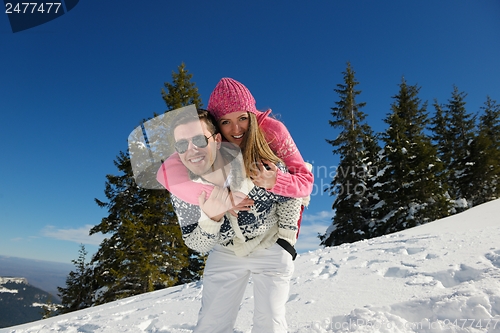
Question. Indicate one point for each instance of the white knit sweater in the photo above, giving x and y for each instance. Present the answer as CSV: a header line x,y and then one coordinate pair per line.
x,y
271,217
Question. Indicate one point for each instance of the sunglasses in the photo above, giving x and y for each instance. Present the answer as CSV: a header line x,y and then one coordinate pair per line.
x,y
199,141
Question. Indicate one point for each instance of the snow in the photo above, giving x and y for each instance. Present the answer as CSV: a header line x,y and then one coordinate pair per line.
x,y
38,304
5,290
17,280
443,276
4,280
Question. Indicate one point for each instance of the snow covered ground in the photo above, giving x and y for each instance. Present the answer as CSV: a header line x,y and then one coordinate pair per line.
x,y
440,277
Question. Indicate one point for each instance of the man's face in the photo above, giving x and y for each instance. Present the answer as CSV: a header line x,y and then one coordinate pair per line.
x,y
197,159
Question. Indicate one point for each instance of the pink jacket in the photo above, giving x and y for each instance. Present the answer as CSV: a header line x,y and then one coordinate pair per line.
x,y
297,183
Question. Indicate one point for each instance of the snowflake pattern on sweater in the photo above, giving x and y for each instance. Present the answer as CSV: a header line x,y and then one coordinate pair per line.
x,y
271,217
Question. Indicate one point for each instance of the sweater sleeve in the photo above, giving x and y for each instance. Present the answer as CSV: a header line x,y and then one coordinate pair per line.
x,y
288,213
298,183
173,175
288,216
199,232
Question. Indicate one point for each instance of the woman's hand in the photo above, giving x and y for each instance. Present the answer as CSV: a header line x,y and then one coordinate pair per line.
x,y
221,200
240,202
266,175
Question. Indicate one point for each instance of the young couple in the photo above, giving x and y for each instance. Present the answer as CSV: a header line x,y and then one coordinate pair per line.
x,y
238,183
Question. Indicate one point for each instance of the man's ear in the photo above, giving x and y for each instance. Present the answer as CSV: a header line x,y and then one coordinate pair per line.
x,y
218,139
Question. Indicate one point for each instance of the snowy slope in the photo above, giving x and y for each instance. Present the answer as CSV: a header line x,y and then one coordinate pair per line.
x,y
440,277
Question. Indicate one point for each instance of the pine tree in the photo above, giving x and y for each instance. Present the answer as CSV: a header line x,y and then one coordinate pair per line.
x,y
143,250
440,135
50,309
351,184
485,155
412,190
181,92
454,132
78,293
490,122
47,309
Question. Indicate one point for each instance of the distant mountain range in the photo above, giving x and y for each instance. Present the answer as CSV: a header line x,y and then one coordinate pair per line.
x,y
21,302
46,275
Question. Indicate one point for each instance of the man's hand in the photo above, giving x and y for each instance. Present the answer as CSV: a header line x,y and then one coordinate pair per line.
x,y
217,204
266,176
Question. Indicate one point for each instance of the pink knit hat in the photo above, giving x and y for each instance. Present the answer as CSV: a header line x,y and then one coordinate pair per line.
x,y
231,96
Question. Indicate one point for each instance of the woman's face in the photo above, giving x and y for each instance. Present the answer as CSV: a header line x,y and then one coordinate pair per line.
x,y
233,126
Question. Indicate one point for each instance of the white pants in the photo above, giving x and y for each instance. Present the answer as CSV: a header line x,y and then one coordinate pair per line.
x,y
224,281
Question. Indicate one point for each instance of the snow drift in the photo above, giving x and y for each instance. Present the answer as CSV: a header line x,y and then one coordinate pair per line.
x,y
440,277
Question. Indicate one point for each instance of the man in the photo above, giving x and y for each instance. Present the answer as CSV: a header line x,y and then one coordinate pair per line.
x,y
239,246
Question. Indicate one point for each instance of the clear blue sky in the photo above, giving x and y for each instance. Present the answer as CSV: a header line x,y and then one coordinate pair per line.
x,y
73,89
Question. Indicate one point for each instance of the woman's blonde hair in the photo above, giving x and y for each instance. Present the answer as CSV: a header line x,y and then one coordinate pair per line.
x,y
255,147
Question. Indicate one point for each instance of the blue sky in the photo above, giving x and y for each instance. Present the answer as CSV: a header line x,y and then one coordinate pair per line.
x,y
73,89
